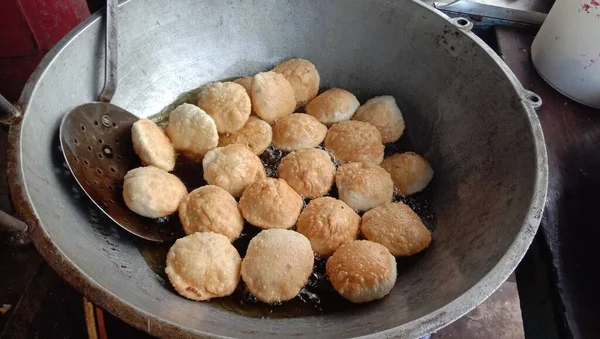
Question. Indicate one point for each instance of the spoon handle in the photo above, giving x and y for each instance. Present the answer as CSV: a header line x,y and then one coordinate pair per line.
x,y
111,53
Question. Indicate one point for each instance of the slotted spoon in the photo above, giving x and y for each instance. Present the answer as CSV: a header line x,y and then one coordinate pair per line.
x,y
96,141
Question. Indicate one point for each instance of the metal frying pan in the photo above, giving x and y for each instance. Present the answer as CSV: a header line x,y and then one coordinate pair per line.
x,y
464,110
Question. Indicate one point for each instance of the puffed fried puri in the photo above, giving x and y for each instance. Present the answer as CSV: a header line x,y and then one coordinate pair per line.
x,y
328,223
383,113
309,172
227,103
364,185
152,192
332,106
256,134
152,145
202,266
298,131
303,77
272,96
246,82
410,172
232,168
271,203
211,209
277,265
355,141
192,131
397,227
362,271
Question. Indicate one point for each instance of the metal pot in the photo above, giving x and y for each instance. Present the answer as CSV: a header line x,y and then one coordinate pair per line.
x,y
464,110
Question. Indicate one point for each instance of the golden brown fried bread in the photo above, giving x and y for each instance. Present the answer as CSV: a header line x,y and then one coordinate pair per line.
x,y
256,135
232,168
192,131
277,265
362,271
298,131
328,223
152,145
355,141
303,77
272,96
383,113
227,103
152,192
333,105
271,203
211,209
364,185
246,82
397,227
202,266
309,172
410,172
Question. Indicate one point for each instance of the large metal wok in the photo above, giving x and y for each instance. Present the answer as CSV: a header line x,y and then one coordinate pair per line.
x,y
464,109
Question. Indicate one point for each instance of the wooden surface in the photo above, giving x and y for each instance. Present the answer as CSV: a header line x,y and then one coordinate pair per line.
x,y
569,233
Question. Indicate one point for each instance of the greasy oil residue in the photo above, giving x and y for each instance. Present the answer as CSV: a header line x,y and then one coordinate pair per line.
x,y
318,296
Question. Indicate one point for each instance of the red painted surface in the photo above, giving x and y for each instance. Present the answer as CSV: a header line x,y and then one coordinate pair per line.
x,y
28,29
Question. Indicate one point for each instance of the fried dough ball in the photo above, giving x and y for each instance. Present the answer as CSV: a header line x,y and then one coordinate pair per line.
x,y
410,172
309,172
232,168
277,265
362,271
152,192
397,227
364,185
202,266
256,135
303,77
328,223
333,105
227,103
298,131
355,141
211,209
383,113
192,131
271,203
246,82
152,145
272,96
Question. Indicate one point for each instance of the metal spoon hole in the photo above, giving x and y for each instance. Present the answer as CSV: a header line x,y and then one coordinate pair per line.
x,y
87,163
100,141
82,127
76,141
99,171
112,169
100,156
90,148
96,123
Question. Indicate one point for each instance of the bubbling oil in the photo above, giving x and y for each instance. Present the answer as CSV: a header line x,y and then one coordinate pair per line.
x,y
318,296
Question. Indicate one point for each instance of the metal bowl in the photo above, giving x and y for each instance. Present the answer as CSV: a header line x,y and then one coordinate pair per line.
x,y
464,110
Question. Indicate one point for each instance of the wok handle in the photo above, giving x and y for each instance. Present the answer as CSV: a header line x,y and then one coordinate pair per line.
x,y
11,224
111,52
8,112
8,223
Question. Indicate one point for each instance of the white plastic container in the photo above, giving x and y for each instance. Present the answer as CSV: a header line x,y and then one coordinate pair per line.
x,y
566,50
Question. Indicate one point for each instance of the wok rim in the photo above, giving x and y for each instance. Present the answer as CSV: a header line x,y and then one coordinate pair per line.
x,y
157,326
